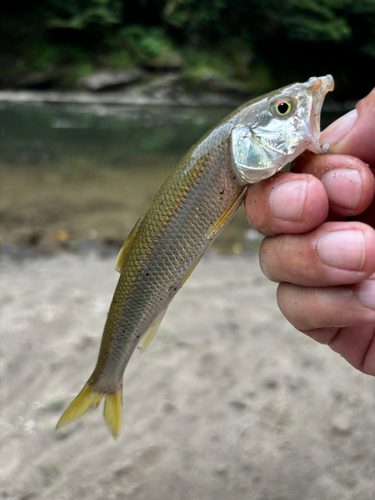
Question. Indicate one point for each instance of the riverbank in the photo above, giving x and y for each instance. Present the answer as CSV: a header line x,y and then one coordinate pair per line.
x,y
228,401
162,92
79,176
164,89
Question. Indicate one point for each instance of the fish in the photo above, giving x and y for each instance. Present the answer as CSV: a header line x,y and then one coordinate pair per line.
x,y
190,209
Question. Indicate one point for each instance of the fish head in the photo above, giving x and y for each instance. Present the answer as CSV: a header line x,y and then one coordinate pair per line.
x,y
274,129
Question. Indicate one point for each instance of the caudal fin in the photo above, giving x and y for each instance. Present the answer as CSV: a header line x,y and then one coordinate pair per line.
x,y
88,398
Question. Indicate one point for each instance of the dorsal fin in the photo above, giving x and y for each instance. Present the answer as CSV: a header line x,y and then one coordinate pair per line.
x,y
121,258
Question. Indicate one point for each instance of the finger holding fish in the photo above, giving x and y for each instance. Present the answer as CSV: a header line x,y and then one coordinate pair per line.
x,y
327,287
347,180
336,253
299,201
312,308
342,317
286,203
353,134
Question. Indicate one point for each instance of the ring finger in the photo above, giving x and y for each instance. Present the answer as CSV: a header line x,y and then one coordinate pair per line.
x,y
336,253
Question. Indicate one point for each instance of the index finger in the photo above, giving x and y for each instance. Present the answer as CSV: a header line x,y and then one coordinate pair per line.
x,y
348,181
286,203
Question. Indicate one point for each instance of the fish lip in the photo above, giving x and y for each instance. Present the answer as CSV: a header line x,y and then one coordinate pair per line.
x,y
318,87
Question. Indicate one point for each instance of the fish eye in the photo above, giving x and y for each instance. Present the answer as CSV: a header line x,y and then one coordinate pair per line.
x,y
282,108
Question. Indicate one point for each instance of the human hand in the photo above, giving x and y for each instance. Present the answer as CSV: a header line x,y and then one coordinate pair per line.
x,y
324,261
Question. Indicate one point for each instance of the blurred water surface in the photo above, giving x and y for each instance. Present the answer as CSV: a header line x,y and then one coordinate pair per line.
x,y
75,172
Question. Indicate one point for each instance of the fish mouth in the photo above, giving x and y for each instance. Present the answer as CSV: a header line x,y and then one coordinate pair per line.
x,y
318,87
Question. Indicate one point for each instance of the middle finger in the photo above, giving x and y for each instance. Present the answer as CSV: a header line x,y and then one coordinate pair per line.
x,y
348,181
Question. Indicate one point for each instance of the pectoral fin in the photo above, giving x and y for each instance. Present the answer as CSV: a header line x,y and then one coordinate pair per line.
x,y
219,225
228,214
121,258
149,335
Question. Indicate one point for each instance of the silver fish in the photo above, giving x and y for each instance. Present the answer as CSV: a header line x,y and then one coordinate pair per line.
x,y
194,204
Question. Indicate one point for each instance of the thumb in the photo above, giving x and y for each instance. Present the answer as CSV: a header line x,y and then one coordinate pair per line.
x,y
354,133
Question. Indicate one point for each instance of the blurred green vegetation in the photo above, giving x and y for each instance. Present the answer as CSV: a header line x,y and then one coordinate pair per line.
x,y
254,44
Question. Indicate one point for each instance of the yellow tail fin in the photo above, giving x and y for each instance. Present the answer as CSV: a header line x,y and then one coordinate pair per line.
x,y
88,398
113,412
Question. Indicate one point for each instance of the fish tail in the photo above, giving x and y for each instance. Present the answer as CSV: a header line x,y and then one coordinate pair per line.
x,y
113,412
88,398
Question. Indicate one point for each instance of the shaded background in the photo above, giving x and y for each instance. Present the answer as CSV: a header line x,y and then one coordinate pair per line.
x,y
247,45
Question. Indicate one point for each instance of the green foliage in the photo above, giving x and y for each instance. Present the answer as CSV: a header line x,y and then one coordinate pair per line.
x,y
270,40
83,13
202,65
313,30
369,48
312,20
120,59
141,42
260,78
44,56
136,44
229,61
194,16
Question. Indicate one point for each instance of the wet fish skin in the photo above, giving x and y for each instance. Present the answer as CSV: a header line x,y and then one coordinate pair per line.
x,y
173,233
190,209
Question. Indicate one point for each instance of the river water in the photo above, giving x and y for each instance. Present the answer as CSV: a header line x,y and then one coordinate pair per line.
x,y
84,173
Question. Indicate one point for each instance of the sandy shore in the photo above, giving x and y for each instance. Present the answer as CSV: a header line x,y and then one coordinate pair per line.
x,y
228,401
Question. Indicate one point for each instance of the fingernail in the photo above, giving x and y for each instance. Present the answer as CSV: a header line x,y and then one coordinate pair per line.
x,y
339,129
342,249
343,186
287,200
366,293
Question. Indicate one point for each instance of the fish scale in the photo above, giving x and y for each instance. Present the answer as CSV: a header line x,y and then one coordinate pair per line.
x,y
164,249
189,210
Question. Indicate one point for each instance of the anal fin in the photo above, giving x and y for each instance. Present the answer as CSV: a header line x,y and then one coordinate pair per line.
x,y
192,268
149,335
